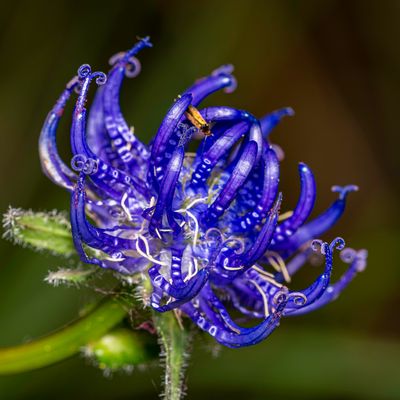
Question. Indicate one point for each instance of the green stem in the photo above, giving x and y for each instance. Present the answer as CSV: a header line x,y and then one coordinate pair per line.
x,y
63,343
174,343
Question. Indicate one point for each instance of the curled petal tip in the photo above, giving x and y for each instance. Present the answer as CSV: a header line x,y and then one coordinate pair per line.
x,y
101,77
81,163
337,243
132,64
84,71
348,255
319,245
232,86
361,261
358,257
344,190
226,69
133,67
281,296
299,299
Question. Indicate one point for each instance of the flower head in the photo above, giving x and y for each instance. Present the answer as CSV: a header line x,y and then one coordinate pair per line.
x,y
205,227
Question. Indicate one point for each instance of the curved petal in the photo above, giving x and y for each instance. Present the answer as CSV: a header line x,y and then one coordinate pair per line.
x,y
235,338
218,150
304,205
166,130
182,292
221,78
319,225
165,197
269,121
263,239
357,264
239,175
89,234
104,176
127,147
270,181
52,164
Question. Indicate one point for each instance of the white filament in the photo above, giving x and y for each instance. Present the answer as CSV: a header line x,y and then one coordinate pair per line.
x,y
147,254
263,295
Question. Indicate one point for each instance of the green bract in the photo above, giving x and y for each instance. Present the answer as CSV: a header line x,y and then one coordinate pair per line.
x,y
42,231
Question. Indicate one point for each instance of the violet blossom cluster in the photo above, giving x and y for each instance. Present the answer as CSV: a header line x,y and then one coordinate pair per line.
x,y
204,227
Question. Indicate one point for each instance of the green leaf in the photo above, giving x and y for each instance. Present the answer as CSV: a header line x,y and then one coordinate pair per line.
x,y
39,230
174,342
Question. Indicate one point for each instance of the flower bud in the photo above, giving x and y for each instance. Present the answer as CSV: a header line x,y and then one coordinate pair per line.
x,y
120,349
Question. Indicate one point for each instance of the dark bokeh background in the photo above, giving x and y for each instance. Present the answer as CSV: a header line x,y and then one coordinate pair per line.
x,y
337,63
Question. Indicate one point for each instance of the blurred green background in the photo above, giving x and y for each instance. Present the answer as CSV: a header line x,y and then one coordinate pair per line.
x,y
337,63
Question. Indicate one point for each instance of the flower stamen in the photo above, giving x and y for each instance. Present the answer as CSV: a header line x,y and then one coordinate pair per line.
x,y
263,296
147,254
285,215
267,276
277,262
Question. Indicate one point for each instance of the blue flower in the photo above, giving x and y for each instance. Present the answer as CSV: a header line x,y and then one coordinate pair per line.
x,y
205,226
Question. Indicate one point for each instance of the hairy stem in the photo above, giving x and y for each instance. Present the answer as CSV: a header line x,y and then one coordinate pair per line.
x,y
64,343
174,343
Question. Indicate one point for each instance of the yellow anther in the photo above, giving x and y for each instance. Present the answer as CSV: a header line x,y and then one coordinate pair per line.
x,y
285,215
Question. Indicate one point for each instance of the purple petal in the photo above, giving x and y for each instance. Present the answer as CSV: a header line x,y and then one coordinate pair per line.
x,y
219,79
319,225
217,151
127,147
165,197
164,134
263,239
88,233
182,293
96,134
235,181
51,162
104,176
269,121
270,181
357,264
241,338
304,205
